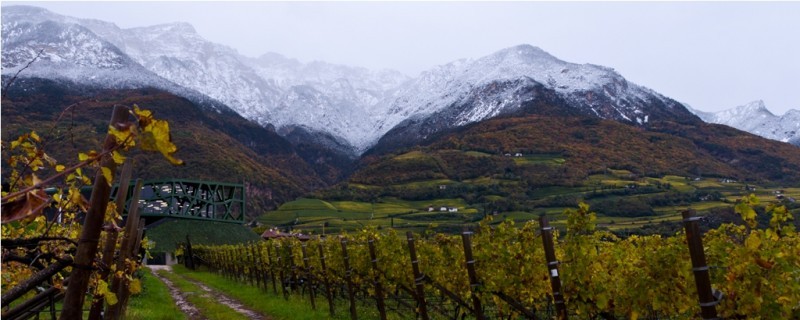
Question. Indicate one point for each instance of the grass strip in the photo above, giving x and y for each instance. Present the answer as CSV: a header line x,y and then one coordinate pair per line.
x,y
204,302
266,302
154,302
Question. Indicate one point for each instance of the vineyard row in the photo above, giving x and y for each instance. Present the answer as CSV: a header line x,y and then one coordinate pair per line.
x,y
506,271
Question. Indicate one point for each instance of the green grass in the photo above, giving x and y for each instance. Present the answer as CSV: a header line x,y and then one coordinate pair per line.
x,y
557,190
307,204
678,183
413,155
477,154
424,184
154,302
274,305
204,302
620,173
551,159
311,214
707,183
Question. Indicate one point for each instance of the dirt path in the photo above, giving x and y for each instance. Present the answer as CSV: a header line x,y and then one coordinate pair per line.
x,y
180,300
191,311
228,301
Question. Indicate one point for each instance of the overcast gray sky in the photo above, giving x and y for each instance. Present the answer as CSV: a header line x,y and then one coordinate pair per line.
x,y
711,55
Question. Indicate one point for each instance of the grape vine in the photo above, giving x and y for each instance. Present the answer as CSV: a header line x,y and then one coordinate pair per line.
x,y
756,270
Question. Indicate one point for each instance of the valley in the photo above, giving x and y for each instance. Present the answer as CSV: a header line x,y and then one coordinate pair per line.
x,y
504,185
512,134
615,195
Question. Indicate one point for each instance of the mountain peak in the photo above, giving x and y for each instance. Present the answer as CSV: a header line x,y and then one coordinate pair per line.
x,y
24,9
173,27
526,51
755,106
754,117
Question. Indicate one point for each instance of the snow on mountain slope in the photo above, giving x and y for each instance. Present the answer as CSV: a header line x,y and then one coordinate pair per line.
x,y
355,106
71,51
756,119
595,90
67,51
325,97
271,89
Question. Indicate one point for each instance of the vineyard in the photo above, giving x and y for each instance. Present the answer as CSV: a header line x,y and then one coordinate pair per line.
x,y
532,271
57,245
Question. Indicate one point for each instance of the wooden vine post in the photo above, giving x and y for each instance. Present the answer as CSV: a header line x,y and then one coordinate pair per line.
x,y
348,277
124,292
111,236
325,280
422,308
128,243
292,266
376,280
92,226
552,267
701,277
474,285
272,267
256,265
309,279
189,255
282,270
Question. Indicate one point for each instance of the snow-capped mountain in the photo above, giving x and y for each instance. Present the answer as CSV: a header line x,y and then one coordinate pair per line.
x,y
272,90
67,50
756,119
468,91
353,107
339,100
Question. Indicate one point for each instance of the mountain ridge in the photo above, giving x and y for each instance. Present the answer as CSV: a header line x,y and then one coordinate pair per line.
x,y
754,117
353,107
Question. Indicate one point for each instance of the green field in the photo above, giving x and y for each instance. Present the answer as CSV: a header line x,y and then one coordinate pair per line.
x,y
551,159
615,185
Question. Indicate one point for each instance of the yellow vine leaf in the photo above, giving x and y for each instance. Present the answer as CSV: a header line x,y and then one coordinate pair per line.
x,y
156,137
60,168
102,289
108,175
753,241
145,116
135,286
746,212
82,156
118,157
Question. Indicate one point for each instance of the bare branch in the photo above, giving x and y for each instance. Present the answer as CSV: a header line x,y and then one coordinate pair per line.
x,y
14,78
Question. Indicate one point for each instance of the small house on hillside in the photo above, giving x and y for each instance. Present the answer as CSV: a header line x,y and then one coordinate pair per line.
x,y
452,209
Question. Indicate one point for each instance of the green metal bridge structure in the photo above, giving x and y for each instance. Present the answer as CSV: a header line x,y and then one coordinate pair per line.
x,y
189,199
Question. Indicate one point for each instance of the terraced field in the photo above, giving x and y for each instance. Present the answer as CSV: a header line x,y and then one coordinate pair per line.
x,y
666,197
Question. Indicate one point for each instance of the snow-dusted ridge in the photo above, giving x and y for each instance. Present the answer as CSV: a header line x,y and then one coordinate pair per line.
x,y
354,107
478,89
754,117
338,100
